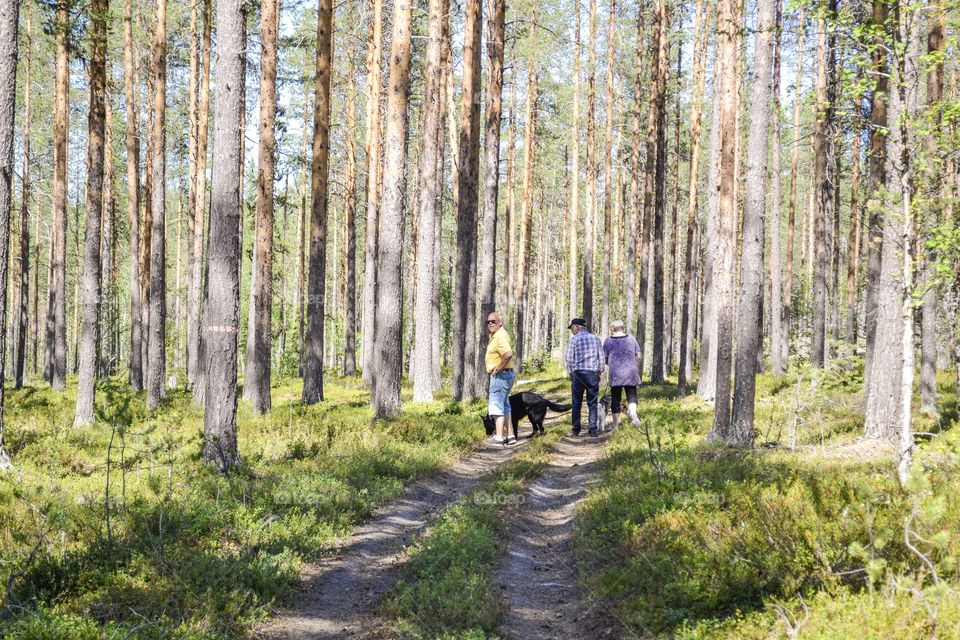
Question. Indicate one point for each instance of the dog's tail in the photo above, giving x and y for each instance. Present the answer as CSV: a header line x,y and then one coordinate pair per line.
x,y
559,408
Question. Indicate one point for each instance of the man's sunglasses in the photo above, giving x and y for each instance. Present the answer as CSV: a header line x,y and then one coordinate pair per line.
x,y
491,322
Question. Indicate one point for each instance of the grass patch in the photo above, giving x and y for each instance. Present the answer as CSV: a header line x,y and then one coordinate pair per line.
x,y
189,553
709,543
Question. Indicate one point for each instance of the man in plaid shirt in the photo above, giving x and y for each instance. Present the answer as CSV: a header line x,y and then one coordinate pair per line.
x,y
585,364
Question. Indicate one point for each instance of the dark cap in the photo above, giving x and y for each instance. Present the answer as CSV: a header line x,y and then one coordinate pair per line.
x,y
577,321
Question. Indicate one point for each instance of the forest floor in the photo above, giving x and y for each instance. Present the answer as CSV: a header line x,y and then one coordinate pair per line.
x,y
413,528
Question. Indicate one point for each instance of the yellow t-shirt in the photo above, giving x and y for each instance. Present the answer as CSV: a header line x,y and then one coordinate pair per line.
x,y
499,345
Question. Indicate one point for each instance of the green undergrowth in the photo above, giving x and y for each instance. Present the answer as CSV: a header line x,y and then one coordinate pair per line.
x,y
448,590
169,549
806,532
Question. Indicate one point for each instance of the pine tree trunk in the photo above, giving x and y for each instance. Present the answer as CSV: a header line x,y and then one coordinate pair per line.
x,y
350,221
725,245
368,329
21,309
197,214
156,363
928,327
109,319
223,252
9,21
787,310
464,314
777,359
133,198
608,186
319,188
689,292
574,173
385,396
659,97
751,256
491,181
91,255
256,379
526,215
823,204
853,241
57,296
634,222
431,202
589,220
877,177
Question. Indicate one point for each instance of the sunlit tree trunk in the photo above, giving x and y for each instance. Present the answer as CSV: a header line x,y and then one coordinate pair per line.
x,y
574,215
156,364
589,219
608,186
368,329
751,257
659,99
57,298
319,187
526,215
21,308
9,21
725,245
936,47
689,293
350,222
856,214
385,396
91,254
777,359
222,308
256,379
431,191
634,222
197,214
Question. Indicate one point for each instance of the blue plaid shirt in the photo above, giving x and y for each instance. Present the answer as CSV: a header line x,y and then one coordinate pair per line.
x,y
585,353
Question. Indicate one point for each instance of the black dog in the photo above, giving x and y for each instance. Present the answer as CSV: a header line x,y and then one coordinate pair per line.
x,y
527,405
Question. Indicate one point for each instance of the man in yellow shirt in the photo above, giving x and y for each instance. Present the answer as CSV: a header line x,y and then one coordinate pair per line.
x,y
498,358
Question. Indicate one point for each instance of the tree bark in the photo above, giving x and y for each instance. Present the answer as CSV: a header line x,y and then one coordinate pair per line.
x,y
223,252
751,256
385,397
319,188
197,214
157,362
634,222
375,35
660,186
777,359
876,182
608,186
787,309
431,202
464,314
936,47
9,21
57,298
589,220
526,216
853,241
574,172
133,199
689,293
350,222
256,379
91,255
21,309
491,182
725,245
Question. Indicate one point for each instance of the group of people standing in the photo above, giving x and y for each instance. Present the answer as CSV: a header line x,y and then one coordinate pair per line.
x,y
586,359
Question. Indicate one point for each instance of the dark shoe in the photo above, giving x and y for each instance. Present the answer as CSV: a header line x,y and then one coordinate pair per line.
x,y
593,433
575,433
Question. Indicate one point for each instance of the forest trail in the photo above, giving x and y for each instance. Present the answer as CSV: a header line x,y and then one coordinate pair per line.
x,y
538,574
338,593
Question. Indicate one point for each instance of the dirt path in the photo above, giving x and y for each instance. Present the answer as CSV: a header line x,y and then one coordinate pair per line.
x,y
338,592
538,574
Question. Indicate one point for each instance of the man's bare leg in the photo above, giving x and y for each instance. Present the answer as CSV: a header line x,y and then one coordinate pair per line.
x,y
501,427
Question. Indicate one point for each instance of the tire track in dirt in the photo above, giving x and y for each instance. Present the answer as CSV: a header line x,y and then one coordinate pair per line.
x,y
538,574
338,593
